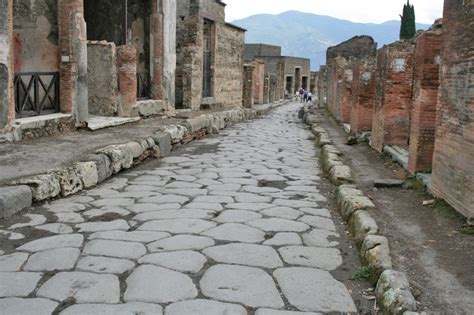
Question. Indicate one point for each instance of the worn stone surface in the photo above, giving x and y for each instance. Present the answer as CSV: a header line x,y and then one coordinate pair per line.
x,y
394,294
27,306
284,238
134,236
278,225
178,226
14,199
314,290
117,249
145,285
104,265
12,262
53,259
18,284
361,224
183,261
70,240
126,308
181,242
375,253
83,287
236,232
204,307
324,258
246,285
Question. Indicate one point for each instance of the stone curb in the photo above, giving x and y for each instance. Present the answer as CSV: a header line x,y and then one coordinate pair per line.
x,y
392,287
111,160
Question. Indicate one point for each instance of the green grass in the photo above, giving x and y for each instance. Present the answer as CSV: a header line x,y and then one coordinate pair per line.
x,y
361,274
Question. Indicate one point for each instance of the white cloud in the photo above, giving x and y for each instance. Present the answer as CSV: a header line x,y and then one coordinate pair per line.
x,y
364,11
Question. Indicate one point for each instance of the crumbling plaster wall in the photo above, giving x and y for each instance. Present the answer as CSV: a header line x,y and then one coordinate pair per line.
x,y
7,105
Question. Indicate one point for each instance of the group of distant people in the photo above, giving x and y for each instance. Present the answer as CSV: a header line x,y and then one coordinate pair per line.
x,y
304,96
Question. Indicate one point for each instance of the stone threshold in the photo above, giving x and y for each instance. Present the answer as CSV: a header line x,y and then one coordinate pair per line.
x,y
392,291
111,160
101,122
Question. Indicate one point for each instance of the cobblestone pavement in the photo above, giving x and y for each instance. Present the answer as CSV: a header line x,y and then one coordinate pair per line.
x,y
230,225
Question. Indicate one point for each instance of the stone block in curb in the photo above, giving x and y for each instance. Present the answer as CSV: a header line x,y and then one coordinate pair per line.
x,y
197,123
177,132
351,199
163,140
375,253
103,165
69,181
362,224
393,293
14,199
87,172
135,148
340,174
120,155
43,187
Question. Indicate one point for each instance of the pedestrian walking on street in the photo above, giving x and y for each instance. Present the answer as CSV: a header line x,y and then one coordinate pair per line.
x,y
305,97
301,94
310,98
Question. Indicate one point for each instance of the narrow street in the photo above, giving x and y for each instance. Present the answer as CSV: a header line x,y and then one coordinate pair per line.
x,y
232,224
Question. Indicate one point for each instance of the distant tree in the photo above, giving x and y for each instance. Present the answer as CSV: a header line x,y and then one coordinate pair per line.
x,y
408,25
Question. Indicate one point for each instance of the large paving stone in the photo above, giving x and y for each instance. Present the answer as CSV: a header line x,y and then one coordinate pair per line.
x,y
278,225
204,307
282,212
324,258
214,199
183,261
35,220
237,216
134,236
319,212
70,240
14,199
318,222
249,206
103,226
178,226
165,199
18,284
284,238
150,207
296,203
204,205
181,242
116,249
174,214
158,285
111,202
53,259
245,285
56,228
104,265
18,306
245,254
82,286
65,207
314,290
119,309
236,232
267,311
320,238
12,262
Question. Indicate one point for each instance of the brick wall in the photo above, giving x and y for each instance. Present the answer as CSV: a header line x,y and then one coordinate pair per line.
x,y
393,95
7,105
362,101
346,94
453,166
127,76
425,95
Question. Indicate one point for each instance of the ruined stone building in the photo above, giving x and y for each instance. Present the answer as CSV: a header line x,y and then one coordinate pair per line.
x,y
284,75
340,63
209,70
85,57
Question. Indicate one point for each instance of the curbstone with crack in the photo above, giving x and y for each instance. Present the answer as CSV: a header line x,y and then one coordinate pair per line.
x,y
120,156
13,199
362,224
394,294
375,254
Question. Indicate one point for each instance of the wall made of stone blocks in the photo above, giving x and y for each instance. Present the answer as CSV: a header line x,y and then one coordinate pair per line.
x,y
248,96
425,96
322,86
453,167
393,95
346,97
228,75
253,51
362,102
102,79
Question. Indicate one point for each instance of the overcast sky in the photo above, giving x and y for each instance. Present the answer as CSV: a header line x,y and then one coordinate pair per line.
x,y
365,11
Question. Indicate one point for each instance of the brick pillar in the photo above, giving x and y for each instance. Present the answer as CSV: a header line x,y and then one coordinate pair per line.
x,y
157,51
127,75
346,94
7,103
362,102
258,81
247,98
266,97
453,166
73,66
425,95
393,95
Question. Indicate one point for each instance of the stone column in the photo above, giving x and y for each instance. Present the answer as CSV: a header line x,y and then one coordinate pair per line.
x,y
127,75
7,103
248,86
157,51
73,59
425,96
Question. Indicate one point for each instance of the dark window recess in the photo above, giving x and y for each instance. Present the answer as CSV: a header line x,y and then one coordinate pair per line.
x,y
143,85
207,74
36,93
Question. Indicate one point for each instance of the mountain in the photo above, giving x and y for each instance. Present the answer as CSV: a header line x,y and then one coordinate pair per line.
x,y
309,35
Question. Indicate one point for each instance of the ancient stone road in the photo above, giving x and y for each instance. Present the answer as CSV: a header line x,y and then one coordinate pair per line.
x,y
231,224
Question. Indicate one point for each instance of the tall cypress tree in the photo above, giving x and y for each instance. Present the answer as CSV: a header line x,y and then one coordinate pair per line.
x,y
408,25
